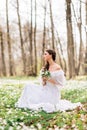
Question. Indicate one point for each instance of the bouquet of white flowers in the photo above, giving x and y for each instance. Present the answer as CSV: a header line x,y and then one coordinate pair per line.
x,y
45,74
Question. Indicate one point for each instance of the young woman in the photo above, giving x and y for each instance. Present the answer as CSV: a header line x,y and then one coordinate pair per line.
x,y
47,95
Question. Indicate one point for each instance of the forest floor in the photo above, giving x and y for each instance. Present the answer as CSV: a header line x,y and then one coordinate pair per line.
x,y
12,118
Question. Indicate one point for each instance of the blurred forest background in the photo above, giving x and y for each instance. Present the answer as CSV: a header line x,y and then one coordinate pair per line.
x,y
29,27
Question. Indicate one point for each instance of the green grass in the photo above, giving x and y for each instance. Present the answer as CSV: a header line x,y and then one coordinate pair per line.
x,y
23,119
75,95
19,77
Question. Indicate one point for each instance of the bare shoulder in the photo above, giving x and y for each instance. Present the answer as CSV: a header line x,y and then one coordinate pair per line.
x,y
57,67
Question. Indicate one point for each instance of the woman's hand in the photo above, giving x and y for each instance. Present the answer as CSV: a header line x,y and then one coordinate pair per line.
x,y
52,81
44,79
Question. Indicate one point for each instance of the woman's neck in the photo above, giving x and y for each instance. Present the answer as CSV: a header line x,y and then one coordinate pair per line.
x,y
51,62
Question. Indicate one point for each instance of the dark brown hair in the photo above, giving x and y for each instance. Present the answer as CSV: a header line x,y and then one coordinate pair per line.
x,y
53,53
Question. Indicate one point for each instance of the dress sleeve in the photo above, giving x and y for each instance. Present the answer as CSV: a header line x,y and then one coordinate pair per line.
x,y
60,78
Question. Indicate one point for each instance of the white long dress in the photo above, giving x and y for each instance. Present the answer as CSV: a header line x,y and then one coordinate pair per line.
x,y
48,97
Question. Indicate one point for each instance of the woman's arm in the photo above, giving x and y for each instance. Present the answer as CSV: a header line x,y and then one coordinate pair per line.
x,y
49,80
59,81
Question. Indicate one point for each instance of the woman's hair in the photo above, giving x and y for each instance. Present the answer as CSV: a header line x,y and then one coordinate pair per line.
x,y
53,53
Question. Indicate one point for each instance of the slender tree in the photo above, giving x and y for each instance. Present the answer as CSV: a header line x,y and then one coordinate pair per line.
x,y
86,40
31,43
9,41
44,30
35,50
76,45
60,60
80,60
52,23
21,39
70,43
29,49
2,53
60,44
81,43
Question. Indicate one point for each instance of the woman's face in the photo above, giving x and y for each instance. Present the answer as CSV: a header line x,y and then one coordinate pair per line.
x,y
47,56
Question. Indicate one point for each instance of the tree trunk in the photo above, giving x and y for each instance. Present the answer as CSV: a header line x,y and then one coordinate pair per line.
x,y
44,31
70,43
31,45
9,42
60,60
86,42
21,39
2,54
76,45
60,44
35,50
52,24
80,65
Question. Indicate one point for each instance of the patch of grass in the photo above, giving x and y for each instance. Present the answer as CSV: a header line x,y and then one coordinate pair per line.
x,y
21,119
75,95
20,77
84,77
